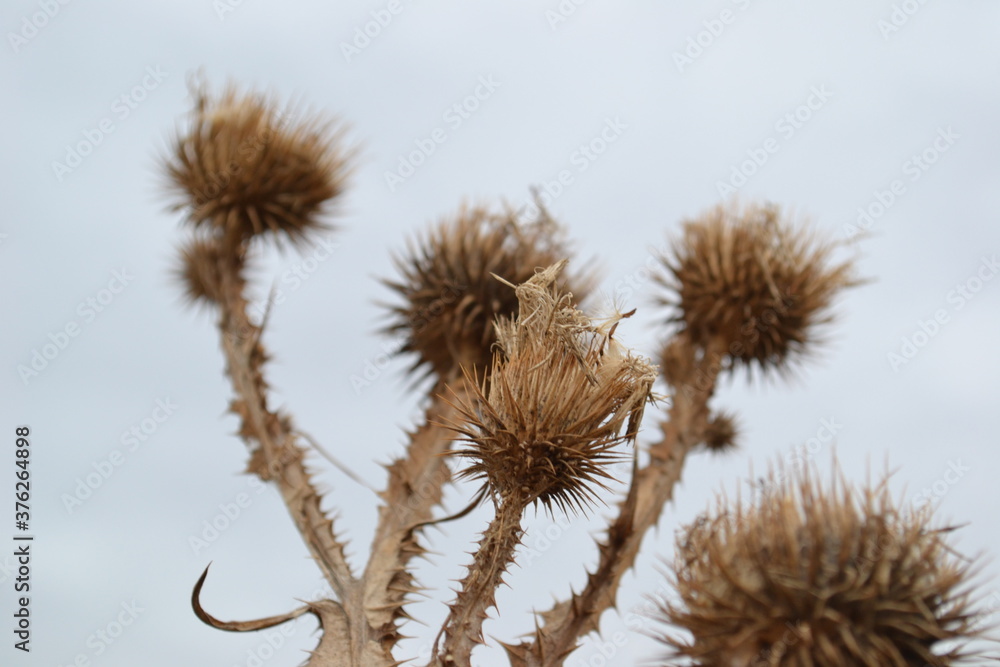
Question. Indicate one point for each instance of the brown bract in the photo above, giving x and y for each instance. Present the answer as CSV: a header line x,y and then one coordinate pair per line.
x,y
722,432
751,280
820,577
450,297
563,392
199,271
245,167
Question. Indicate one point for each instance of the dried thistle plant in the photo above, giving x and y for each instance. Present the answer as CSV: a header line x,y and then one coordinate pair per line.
x,y
562,394
450,302
753,282
450,297
537,399
562,389
247,167
722,432
819,576
200,271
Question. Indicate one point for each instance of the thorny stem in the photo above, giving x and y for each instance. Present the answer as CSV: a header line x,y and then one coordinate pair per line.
x,y
652,487
279,459
462,629
415,487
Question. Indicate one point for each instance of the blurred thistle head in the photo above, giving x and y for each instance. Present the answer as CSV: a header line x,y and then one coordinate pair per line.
x,y
200,271
562,394
818,576
721,432
245,167
450,295
749,282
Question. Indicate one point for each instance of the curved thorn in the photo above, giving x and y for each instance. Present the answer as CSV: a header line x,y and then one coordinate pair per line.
x,y
237,626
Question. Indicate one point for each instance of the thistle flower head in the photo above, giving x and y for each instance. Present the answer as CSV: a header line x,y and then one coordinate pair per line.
x,y
245,168
562,393
450,296
752,282
199,271
722,432
824,577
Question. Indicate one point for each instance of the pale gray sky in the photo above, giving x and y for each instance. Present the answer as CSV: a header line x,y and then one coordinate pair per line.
x,y
841,105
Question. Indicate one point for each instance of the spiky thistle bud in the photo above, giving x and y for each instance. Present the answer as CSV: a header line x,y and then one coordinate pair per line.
x,y
562,393
722,432
245,167
450,297
200,271
752,282
813,576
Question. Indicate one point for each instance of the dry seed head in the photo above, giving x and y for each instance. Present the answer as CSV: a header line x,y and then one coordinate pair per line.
x,y
199,271
722,432
675,361
754,282
813,576
245,167
562,393
450,297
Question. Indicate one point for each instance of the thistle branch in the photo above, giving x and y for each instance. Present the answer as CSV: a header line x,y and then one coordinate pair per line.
x,y
415,487
276,457
651,488
462,629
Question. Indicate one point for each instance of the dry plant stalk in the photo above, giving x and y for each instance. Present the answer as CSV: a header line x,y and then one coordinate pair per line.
x,y
562,394
450,302
538,398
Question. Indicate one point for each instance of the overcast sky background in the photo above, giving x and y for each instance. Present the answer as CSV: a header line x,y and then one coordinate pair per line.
x,y
886,96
